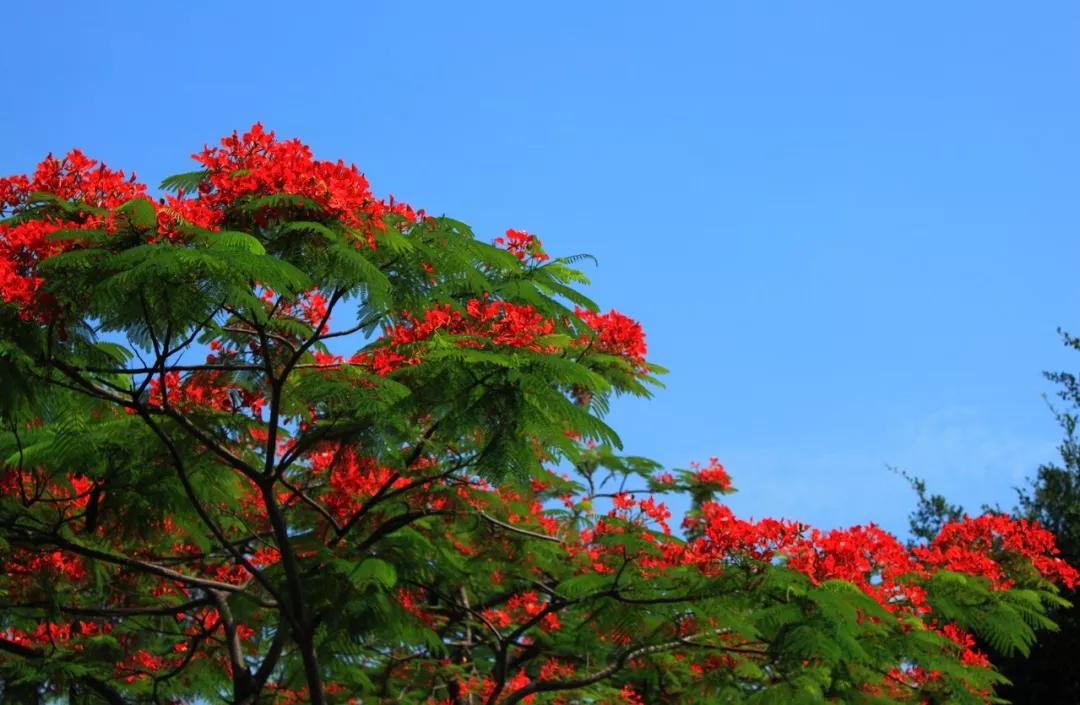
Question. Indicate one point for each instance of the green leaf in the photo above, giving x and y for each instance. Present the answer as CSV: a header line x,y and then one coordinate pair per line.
x,y
140,213
581,585
371,571
230,239
187,182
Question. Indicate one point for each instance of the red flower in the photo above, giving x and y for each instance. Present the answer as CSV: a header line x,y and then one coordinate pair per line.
x,y
524,246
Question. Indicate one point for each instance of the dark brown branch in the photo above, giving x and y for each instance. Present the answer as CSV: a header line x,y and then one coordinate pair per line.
x,y
19,650
308,500
142,566
269,661
391,525
167,610
518,530
274,336
295,609
241,676
168,368
349,331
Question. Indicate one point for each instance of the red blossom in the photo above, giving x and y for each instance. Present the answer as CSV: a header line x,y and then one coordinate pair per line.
x,y
525,246
24,244
615,334
713,475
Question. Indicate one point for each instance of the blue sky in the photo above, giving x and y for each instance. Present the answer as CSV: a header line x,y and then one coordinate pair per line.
x,y
850,229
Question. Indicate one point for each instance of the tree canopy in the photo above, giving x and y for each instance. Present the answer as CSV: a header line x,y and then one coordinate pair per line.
x,y
269,438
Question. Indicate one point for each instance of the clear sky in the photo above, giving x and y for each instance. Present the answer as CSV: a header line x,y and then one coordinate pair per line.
x,y
849,228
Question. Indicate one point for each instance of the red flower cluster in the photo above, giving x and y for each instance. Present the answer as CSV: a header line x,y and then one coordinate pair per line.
x,y
23,244
713,475
205,390
615,334
726,536
521,608
969,654
501,322
256,164
874,560
623,503
981,545
245,167
75,178
865,556
352,479
525,246
993,546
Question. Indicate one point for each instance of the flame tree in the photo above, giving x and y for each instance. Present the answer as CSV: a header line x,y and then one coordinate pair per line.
x,y
272,439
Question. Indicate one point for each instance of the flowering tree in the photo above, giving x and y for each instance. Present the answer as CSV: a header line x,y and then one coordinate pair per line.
x,y
271,439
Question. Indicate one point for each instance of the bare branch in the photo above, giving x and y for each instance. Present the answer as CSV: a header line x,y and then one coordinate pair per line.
x,y
518,530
